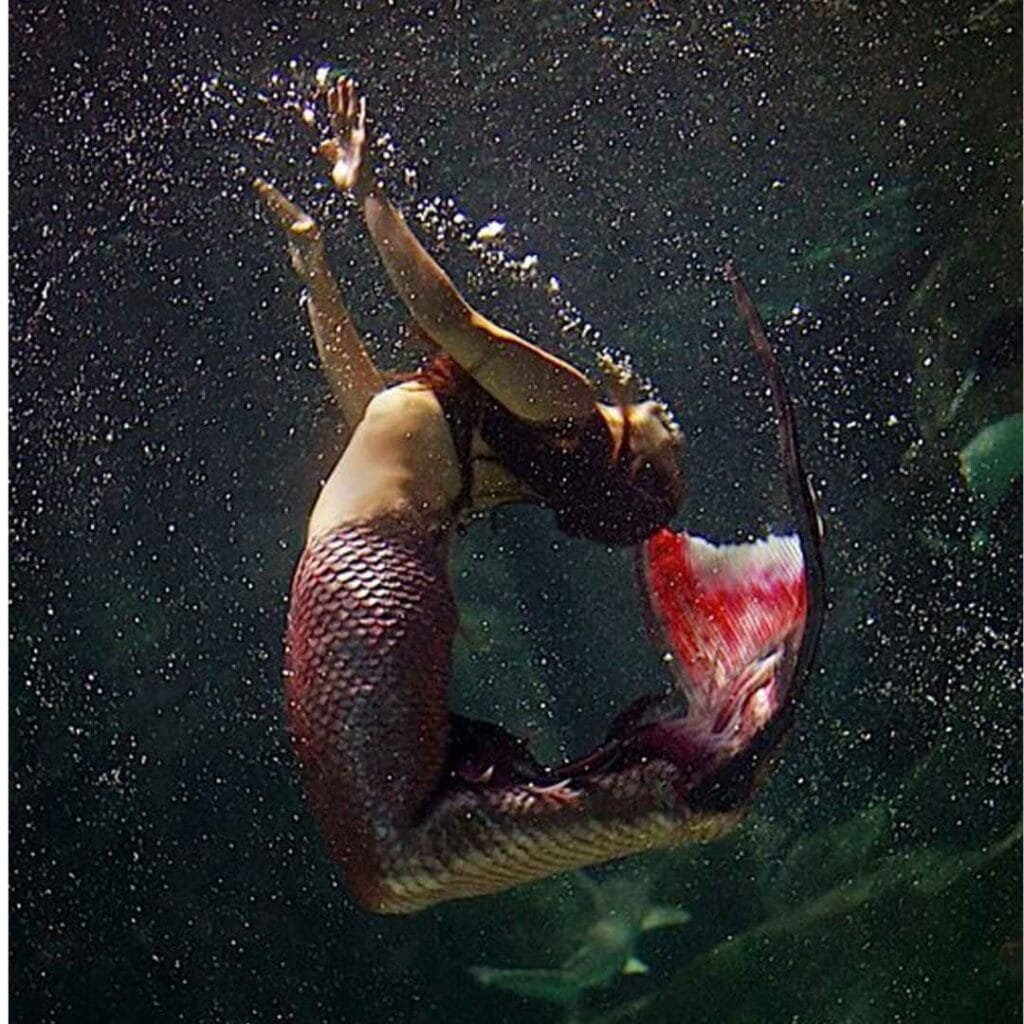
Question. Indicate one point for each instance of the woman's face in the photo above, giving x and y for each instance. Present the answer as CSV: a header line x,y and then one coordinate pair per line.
x,y
652,443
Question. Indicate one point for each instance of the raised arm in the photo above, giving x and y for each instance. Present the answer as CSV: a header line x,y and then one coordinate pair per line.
x,y
350,372
528,381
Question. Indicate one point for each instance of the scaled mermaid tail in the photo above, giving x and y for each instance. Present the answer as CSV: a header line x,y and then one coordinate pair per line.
x,y
419,806
368,650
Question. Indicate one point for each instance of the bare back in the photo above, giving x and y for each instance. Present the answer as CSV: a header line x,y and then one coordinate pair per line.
x,y
401,461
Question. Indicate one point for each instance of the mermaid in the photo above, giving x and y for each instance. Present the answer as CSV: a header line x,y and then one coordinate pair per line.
x,y
419,805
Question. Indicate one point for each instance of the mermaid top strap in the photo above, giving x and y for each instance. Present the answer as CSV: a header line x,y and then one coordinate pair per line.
x,y
461,418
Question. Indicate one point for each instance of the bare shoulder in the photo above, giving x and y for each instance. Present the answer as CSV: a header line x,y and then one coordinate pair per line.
x,y
409,401
400,458
401,413
412,395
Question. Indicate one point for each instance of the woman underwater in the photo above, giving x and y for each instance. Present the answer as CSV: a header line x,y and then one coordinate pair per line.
x,y
419,805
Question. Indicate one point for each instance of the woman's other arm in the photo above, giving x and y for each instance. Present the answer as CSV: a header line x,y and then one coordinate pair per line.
x,y
528,381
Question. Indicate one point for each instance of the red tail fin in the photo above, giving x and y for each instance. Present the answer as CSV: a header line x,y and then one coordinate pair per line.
x,y
731,617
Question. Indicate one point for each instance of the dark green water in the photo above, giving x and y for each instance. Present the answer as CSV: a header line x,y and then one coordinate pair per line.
x,y
859,161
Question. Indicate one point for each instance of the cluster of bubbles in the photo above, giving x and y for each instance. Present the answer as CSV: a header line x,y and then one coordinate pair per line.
x,y
492,245
294,94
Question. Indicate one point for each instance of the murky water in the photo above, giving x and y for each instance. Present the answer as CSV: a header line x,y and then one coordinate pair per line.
x,y
169,428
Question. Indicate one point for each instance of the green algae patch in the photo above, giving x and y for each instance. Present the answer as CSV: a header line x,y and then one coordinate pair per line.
x,y
991,460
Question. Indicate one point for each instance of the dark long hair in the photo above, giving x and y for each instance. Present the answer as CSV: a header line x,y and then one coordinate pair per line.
x,y
591,494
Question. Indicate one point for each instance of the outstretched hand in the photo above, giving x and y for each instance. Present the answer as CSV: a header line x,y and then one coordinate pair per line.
x,y
305,243
346,148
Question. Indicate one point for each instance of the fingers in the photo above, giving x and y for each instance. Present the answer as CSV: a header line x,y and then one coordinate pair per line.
x,y
345,106
336,103
344,152
348,98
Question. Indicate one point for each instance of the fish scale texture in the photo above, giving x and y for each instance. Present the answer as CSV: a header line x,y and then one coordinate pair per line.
x,y
369,647
368,659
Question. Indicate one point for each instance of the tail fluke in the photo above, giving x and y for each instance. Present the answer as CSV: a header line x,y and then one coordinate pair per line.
x,y
731,618
801,495
740,622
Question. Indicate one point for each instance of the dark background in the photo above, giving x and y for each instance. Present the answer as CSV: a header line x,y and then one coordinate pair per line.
x,y
169,426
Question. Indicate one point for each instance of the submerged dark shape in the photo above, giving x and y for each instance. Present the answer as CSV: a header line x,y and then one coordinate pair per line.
x,y
486,754
605,949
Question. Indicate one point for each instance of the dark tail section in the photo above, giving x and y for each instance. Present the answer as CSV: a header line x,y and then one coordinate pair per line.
x,y
801,497
737,779
742,622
